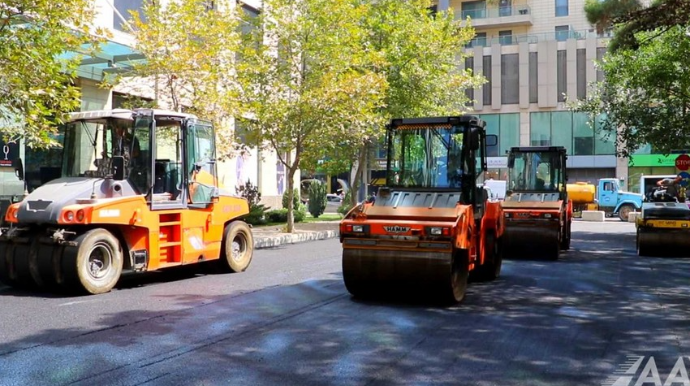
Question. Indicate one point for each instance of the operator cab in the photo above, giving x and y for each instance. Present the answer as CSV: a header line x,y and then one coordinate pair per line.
x,y
435,162
167,157
538,170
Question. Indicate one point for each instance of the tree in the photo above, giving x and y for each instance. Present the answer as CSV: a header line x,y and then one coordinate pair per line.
x,y
422,52
190,50
646,93
40,49
308,78
629,18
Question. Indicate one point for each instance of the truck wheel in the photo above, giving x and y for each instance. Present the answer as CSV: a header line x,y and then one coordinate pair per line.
x,y
624,211
95,264
453,291
491,268
238,247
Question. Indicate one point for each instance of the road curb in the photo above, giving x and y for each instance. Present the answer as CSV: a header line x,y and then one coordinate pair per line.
x,y
272,241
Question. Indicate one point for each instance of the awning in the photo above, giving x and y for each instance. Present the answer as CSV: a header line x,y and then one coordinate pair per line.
x,y
111,58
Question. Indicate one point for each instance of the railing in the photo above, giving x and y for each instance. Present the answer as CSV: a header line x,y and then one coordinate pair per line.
x,y
536,38
486,13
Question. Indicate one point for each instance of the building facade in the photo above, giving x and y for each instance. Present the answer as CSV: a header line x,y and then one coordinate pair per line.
x,y
259,167
536,55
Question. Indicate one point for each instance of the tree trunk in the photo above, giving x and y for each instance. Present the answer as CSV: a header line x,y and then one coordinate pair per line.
x,y
356,180
291,170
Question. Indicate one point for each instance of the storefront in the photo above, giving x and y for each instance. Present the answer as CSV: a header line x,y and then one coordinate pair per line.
x,y
649,164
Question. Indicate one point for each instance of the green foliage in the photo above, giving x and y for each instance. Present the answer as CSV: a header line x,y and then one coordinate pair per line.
x,y
602,13
420,53
295,199
645,95
37,86
257,211
346,205
321,83
281,215
629,17
317,198
190,52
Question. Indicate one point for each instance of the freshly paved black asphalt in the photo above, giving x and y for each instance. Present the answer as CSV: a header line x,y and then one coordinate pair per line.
x,y
288,320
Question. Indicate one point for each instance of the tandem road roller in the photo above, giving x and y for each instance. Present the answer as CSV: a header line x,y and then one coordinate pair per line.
x,y
137,191
663,227
537,210
430,225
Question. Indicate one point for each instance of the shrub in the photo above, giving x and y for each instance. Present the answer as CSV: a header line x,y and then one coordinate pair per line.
x,y
345,206
257,211
295,199
280,215
317,198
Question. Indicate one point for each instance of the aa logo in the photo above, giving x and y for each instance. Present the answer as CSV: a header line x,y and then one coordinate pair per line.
x,y
639,371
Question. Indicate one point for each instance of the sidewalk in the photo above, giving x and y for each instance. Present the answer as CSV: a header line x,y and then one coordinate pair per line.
x,y
273,236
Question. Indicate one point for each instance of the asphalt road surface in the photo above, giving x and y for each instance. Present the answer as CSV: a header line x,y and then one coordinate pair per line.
x,y
288,320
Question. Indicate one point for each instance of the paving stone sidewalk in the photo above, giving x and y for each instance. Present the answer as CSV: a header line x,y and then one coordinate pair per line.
x,y
273,236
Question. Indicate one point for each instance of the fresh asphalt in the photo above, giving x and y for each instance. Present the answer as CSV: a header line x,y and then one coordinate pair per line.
x,y
288,320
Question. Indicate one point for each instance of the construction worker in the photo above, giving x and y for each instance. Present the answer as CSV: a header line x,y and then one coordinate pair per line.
x,y
668,189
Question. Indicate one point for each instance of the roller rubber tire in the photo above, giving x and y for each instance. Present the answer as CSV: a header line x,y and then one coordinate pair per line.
x,y
80,264
565,242
491,269
22,266
238,247
453,291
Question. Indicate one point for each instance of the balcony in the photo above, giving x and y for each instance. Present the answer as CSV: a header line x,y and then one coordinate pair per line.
x,y
535,38
509,16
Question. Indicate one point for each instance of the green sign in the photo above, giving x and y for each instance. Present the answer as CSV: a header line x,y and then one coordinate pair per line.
x,y
651,160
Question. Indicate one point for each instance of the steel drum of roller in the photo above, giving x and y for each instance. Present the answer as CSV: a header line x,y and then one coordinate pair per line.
x,y
530,240
371,271
663,229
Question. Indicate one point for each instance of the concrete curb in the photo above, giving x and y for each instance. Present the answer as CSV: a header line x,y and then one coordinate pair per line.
x,y
271,241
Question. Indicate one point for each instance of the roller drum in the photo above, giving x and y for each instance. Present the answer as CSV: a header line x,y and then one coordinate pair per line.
x,y
368,272
663,242
531,241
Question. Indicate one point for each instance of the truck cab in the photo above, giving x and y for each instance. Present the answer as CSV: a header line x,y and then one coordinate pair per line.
x,y
613,200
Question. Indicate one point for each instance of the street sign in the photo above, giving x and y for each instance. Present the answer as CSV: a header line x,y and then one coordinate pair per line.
x,y
683,162
685,178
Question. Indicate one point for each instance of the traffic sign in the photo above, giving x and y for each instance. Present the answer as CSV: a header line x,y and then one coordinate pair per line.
x,y
683,162
685,178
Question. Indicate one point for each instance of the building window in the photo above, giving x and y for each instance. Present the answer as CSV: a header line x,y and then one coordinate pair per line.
x,y
474,9
561,7
469,92
505,8
505,38
510,79
486,88
583,135
533,78
562,32
601,51
581,66
122,8
507,128
540,129
478,41
561,75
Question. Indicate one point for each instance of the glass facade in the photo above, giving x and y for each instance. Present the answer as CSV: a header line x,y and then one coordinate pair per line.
x,y
571,130
507,128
